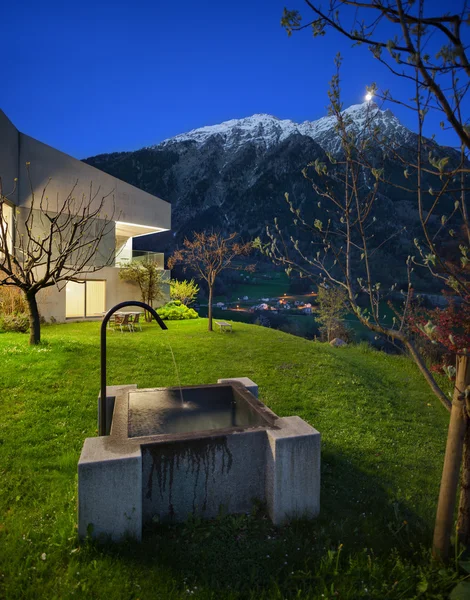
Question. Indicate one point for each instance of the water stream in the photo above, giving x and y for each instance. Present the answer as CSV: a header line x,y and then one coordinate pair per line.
x,y
177,373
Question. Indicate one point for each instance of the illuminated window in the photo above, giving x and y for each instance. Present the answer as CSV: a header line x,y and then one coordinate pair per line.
x,y
85,299
95,298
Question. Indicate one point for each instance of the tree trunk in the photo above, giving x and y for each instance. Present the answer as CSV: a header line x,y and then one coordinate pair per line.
x,y
209,308
463,520
452,460
34,322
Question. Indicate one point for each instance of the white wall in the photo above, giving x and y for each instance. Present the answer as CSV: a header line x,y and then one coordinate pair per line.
x,y
52,301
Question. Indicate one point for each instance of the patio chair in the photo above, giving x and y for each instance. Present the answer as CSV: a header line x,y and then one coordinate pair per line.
x,y
122,321
136,321
111,320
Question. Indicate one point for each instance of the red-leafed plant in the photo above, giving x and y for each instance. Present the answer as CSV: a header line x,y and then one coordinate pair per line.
x,y
448,327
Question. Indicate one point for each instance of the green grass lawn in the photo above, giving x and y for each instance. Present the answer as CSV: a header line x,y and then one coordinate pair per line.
x,y
383,437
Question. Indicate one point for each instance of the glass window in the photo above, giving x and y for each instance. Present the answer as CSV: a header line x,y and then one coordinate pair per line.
x,y
95,298
74,299
87,298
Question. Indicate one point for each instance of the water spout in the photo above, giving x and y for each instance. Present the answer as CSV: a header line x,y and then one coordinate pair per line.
x,y
109,314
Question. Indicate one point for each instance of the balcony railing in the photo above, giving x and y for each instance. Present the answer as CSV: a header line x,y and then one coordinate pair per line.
x,y
142,256
155,257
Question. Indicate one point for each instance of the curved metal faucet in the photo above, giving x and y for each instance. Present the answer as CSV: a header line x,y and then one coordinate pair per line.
x,y
109,314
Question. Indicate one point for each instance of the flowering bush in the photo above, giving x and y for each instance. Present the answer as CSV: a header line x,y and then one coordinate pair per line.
x,y
176,311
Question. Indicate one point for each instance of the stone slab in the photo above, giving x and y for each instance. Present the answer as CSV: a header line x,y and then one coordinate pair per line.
x,y
112,392
251,386
203,476
292,470
110,489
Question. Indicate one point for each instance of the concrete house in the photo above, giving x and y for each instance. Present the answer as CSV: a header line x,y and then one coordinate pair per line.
x,y
135,213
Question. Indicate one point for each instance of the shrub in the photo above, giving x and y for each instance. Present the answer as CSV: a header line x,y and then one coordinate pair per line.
x,y
12,301
18,322
176,311
185,291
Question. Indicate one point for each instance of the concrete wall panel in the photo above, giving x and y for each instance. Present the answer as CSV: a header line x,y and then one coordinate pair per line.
x,y
9,153
60,173
202,476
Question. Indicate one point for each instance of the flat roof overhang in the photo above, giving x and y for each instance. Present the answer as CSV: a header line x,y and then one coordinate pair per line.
x,y
134,230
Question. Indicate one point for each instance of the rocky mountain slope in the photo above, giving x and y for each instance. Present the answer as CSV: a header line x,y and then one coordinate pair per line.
x,y
233,176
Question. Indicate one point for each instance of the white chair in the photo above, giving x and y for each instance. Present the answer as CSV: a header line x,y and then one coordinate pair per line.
x,y
136,321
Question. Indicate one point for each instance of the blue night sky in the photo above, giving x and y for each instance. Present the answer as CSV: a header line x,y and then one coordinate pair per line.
x,y
98,76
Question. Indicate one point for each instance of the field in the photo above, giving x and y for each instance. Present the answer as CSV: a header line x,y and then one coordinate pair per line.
x,y
299,324
383,437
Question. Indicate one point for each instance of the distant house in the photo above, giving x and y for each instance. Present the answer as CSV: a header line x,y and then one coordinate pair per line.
x,y
262,306
136,213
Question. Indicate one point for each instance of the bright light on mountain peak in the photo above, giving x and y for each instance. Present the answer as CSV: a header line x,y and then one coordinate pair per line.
x,y
369,97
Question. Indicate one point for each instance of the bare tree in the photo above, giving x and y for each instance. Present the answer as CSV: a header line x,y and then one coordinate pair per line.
x,y
208,254
48,243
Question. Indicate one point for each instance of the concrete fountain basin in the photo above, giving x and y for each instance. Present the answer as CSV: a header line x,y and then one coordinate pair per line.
x,y
173,452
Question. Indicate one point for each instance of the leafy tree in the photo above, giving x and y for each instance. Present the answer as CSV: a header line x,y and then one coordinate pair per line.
x,y
208,254
50,243
185,291
348,189
428,52
148,277
332,306
449,330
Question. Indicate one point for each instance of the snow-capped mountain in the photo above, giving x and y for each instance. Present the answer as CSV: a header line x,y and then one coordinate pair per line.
x,y
233,176
267,131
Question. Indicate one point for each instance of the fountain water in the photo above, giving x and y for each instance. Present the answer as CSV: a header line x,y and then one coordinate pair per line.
x,y
177,374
